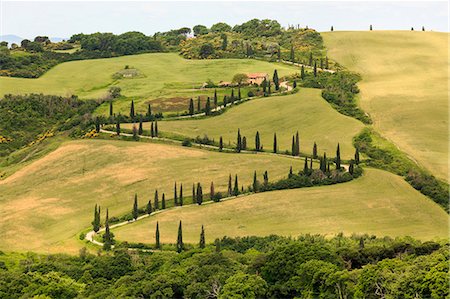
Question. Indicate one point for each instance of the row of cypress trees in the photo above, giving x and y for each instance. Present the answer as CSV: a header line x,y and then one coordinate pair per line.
x,y
179,245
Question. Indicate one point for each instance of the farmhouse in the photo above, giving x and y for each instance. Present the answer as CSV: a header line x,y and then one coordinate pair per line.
x,y
257,78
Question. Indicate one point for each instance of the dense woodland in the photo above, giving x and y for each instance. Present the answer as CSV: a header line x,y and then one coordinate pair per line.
x,y
250,267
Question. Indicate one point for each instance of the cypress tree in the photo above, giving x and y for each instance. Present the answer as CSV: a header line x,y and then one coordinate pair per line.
x,y
239,93
225,101
108,236
211,191
326,62
276,80
215,98
148,208
180,245
191,107
275,143
229,186
110,108
321,63
294,85
244,143
135,132
357,156
175,195
199,194
152,130
338,157
156,128
266,178
156,200
255,182
412,28
198,105
118,126
96,222
423,28
310,59
305,167
208,107
310,164
239,141
157,241
291,173
264,85
135,211
351,168
332,29
236,186
257,142
220,144
202,238
302,72
163,201
370,28
132,110
297,144
315,150
232,96
324,162
194,197
140,131
97,124
268,87
315,68
149,110
328,167
181,195
293,146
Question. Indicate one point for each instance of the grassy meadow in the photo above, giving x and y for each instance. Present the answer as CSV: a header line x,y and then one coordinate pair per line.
x,y
305,111
163,76
404,88
46,204
378,203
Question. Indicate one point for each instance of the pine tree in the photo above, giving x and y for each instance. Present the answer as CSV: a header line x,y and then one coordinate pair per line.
x,y
211,191
156,128
110,108
338,157
357,156
257,142
157,241
275,143
140,131
180,245
310,59
149,110
191,107
198,105
181,194
208,107
148,208
132,115
292,56
255,183
297,144
236,186
244,143
302,72
163,201
229,186
156,200
199,194
202,238
315,68
194,197
108,236
332,29
118,126
135,211
220,144
175,195
315,151
276,80
239,141
215,98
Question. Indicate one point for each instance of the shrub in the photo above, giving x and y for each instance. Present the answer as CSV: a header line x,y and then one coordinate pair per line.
x,y
186,142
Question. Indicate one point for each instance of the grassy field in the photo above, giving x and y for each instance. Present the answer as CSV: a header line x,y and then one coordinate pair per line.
x,y
163,76
404,88
46,204
378,203
305,111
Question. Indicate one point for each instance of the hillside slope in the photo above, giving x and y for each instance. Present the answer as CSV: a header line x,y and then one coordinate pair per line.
x,y
378,203
404,88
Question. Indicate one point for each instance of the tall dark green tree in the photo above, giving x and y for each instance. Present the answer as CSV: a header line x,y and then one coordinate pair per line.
x,y
315,69
175,194
326,62
191,107
305,167
135,211
194,197
310,59
110,108
315,150
152,130
244,143
232,96
211,191
97,124
236,186
239,141
199,194
225,101
132,114
198,105
96,221
202,238
332,29
148,208
163,201
275,147
293,146
257,142
230,190
302,72
156,128
181,195
338,157
239,93
149,110
220,144
264,85
208,107
292,56
276,81
351,168
215,98
108,236
180,245
321,63
357,156
255,183
297,144
118,126
269,91
291,172
140,130
266,178
157,240
156,200
294,84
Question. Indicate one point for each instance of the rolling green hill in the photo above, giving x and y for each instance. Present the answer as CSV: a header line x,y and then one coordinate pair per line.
x,y
378,203
305,111
404,88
